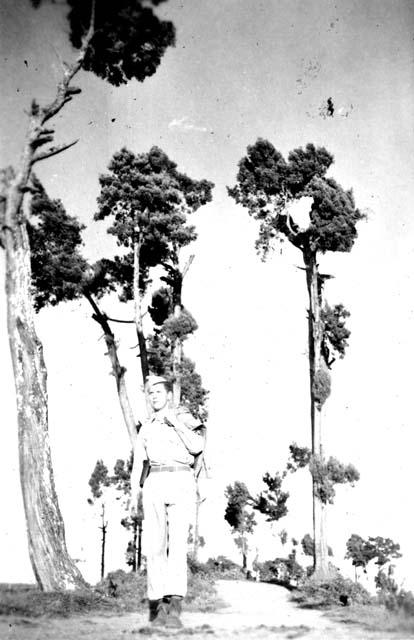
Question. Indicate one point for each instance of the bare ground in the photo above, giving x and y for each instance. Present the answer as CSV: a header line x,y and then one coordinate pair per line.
x,y
254,611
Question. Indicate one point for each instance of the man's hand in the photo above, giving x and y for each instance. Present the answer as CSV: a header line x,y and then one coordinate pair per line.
x,y
170,418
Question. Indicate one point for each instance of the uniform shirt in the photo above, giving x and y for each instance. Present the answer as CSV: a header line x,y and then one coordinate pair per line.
x,y
163,445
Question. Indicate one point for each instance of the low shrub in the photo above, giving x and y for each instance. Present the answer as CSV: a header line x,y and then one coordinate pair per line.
x,y
312,593
286,572
127,590
198,568
399,601
224,568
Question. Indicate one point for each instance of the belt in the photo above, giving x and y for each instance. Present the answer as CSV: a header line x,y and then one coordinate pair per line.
x,y
165,467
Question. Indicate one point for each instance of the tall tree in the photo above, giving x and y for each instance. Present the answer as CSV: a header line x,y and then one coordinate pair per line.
x,y
148,201
267,185
117,42
240,516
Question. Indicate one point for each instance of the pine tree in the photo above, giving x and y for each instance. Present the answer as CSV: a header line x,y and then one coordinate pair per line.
x,y
267,185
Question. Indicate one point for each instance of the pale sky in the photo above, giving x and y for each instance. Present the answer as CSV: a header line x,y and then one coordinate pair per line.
x,y
240,69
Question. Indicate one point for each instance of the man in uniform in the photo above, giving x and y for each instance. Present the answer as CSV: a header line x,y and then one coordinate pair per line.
x,y
168,441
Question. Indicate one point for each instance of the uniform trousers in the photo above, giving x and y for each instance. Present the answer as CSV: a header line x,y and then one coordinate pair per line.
x,y
168,501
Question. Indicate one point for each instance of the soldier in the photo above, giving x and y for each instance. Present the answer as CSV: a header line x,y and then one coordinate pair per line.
x,y
167,444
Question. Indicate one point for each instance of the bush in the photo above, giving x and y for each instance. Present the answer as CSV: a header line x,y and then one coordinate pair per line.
x,y
127,588
283,571
224,568
396,599
339,590
198,568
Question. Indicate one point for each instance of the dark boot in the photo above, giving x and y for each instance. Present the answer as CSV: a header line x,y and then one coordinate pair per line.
x,y
174,604
158,613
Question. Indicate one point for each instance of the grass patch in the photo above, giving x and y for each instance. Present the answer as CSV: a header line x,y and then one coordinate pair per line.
x,y
119,592
361,610
373,617
30,602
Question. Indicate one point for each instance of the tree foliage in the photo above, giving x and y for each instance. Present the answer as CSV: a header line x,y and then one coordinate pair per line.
x,y
327,474
272,501
145,194
58,268
335,333
237,512
308,546
267,184
129,39
321,386
362,551
99,479
299,457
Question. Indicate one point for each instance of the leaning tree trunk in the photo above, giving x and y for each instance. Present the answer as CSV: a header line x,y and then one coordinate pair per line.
x,y
52,566
316,367
138,305
118,370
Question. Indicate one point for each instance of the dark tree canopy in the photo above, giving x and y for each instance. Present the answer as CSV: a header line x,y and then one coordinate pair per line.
x,y
236,514
335,333
99,479
272,501
267,184
145,194
58,268
129,39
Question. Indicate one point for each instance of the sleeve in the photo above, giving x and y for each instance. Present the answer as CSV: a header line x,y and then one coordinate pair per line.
x,y
189,431
188,419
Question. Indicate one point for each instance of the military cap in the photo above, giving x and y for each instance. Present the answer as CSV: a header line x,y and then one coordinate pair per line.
x,y
153,380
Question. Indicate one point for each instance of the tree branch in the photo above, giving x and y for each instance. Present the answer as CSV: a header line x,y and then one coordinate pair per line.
x,y
64,91
53,151
187,265
122,321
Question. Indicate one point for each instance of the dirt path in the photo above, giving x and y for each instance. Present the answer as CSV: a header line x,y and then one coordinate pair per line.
x,y
255,611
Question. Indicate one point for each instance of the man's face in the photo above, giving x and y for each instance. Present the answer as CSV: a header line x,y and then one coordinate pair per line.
x,y
158,397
